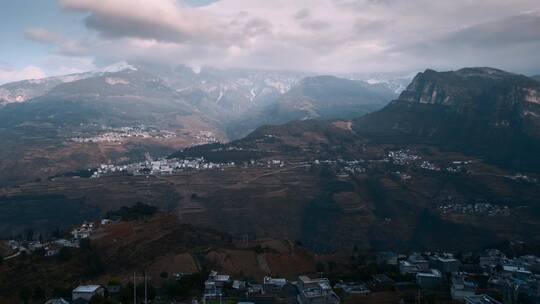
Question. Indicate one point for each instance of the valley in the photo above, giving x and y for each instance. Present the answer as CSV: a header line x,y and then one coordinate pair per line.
x,y
290,181
313,184
387,188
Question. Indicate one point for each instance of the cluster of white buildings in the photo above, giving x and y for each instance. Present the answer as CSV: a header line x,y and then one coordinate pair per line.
x,y
305,290
84,231
315,291
52,247
343,167
119,135
406,157
205,137
165,166
481,208
402,157
429,270
427,165
516,279
522,177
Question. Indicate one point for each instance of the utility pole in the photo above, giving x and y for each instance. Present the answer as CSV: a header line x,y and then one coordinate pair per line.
x,y
145,289
134,288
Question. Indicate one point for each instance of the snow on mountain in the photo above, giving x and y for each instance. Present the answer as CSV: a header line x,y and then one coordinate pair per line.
x,y
24,90
396,83
115,68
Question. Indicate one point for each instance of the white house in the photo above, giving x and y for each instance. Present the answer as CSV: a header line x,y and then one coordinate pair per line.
x,y
86,292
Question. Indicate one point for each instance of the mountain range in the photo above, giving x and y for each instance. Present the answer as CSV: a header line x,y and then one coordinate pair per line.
x,y
381,180
451,139
186,105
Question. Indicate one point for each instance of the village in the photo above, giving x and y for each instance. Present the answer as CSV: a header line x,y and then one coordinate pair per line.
x,y
343,168
484,277
164,166
477,208
29,245
119,135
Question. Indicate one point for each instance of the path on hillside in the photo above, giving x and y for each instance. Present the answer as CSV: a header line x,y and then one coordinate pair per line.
x,y
9,257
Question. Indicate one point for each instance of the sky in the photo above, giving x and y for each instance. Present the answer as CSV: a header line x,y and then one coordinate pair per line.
x,y
54,37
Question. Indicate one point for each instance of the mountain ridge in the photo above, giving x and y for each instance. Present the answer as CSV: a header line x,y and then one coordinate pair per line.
x,y
320,97
489,111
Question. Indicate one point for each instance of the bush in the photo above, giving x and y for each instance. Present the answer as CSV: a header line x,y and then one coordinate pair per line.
x,y
136,212
65,254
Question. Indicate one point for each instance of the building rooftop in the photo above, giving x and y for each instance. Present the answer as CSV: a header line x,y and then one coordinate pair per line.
x,y
275,281
517,269
481,299
87,288
434,273
222,278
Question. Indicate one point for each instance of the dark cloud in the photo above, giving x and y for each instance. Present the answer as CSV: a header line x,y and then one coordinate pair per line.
x,y
257,26
364,26
339,35
302,14
523,28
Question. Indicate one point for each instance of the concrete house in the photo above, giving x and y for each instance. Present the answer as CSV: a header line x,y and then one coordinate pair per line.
x,y
86,292
316,291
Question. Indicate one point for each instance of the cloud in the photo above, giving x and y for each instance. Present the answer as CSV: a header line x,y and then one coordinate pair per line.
x,y
28,72
523,28
316,35
510,43
162,20
43,36
302,14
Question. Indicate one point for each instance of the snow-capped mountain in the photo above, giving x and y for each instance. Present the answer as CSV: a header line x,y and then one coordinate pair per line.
x,y
396,83
229,92
24,90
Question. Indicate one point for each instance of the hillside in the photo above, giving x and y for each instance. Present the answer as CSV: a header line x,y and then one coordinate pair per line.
x,y
477,110
126,113
319,97
118,115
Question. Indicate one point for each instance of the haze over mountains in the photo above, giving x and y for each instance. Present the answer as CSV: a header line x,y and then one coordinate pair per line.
x,y
221,94
476,110
189,103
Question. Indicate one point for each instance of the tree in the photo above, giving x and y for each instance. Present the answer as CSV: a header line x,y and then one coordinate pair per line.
x,y
38,295
151,291
97,299
65,254
29,234
24,295
319,267
61,292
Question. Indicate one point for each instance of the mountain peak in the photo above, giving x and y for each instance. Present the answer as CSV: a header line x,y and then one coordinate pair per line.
x,y
482,72
117,67
461,86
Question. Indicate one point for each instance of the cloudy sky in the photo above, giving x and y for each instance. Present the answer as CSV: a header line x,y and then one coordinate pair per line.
x,y
48,37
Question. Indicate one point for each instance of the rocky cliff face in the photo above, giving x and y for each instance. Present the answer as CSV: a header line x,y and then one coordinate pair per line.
x,y
483,110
